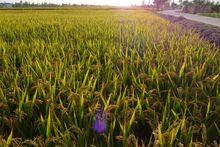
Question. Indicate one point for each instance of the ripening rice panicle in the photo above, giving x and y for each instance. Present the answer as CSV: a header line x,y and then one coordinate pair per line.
x,y
158,82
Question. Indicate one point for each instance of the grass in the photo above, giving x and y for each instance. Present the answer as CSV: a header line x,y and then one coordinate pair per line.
x,y
157,82
216,15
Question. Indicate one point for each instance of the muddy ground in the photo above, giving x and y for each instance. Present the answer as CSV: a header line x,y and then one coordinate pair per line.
x,y
208,32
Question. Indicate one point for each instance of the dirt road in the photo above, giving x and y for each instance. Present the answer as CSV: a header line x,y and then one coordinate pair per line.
x,y
194,17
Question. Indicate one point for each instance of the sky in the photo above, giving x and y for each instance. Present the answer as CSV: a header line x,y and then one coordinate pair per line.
x,y
94,2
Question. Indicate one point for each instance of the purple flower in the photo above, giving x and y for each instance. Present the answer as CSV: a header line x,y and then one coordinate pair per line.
x,y
100,123
99,126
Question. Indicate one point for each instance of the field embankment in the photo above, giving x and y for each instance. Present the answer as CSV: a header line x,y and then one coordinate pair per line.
x,y
207,32
216,15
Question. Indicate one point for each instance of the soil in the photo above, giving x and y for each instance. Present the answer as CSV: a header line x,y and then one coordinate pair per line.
x,y
208,32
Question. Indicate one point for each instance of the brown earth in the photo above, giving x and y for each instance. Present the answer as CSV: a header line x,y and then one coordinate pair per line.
x,y
208,32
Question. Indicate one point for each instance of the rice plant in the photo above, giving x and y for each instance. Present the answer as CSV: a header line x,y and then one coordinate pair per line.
x,y
105,77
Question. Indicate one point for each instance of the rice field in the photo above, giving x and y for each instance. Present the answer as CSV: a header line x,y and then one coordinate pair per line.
x,y
105,77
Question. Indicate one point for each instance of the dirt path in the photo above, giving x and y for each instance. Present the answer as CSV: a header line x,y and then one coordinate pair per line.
x,y
194,17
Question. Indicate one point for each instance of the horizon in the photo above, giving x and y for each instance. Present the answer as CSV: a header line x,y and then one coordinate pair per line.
x,y
92,2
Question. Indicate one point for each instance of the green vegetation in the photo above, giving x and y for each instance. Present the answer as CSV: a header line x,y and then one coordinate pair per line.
x,y
217,15
200,6
158,83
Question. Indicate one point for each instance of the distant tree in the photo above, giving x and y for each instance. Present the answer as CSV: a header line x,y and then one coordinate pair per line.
x,y
160,3
199,1
26,4
174,5
143,3
186,2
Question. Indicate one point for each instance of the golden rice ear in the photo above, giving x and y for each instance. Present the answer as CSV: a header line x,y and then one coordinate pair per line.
x,y
1,139
104,76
